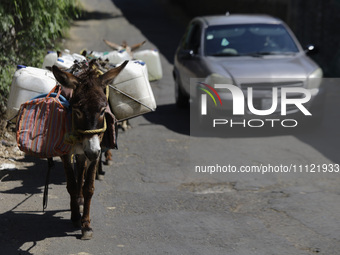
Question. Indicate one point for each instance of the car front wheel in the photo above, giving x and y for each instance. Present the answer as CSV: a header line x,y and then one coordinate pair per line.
x,y
182,100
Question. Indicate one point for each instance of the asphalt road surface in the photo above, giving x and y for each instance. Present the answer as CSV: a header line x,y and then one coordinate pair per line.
x,y
157,197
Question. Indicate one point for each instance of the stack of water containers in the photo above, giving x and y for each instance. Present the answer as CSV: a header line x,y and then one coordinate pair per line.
x,y
65,60
130,93
150,57
29,82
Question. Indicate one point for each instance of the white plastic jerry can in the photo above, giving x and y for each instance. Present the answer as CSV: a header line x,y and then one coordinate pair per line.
x,y
130,93
153,62
65,60
78,57
27,83
64,63
114,57
72,57
50,59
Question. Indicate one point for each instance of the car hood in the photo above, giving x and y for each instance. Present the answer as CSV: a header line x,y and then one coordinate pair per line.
x,y
265,68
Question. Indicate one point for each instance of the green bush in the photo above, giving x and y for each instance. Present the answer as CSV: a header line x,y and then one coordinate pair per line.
x,y
27,29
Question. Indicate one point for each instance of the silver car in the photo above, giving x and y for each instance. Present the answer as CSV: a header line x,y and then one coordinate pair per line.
x,y
249,51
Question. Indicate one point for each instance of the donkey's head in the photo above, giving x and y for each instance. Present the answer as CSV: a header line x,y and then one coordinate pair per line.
x,y
88,103
124,45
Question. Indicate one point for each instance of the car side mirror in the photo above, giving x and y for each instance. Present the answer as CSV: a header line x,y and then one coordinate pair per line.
x,y
186,54
311,50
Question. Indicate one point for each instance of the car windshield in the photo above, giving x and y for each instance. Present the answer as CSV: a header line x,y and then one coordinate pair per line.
x,y
248,40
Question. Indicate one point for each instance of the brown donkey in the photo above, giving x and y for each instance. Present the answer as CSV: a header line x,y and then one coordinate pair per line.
x,y
88,104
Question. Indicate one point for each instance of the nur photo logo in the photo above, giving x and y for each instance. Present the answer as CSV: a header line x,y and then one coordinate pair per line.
x,y
244,103
204,97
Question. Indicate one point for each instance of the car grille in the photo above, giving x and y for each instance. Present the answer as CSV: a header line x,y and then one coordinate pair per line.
x,y
258,104
263,86
270,85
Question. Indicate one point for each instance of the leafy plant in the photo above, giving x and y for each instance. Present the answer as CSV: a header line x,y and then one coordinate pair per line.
x,y
27,29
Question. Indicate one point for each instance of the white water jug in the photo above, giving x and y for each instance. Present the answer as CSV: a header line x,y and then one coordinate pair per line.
x,y
114,57
72,57
27,83
78,57
131,94
64,63
65,60
50,59
153,62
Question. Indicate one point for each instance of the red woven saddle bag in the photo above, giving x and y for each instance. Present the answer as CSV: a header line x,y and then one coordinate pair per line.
x,y
42,124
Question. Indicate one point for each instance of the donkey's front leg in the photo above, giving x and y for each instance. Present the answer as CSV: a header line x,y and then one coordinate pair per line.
x,y
81,169
88,191
72,189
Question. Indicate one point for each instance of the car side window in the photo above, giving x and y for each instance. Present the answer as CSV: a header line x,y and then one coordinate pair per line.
x,y
192,41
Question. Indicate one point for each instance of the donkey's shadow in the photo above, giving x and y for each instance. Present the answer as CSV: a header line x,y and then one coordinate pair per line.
x,y
22,230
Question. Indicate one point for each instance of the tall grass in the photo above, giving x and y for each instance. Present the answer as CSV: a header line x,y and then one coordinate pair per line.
x,y
27,29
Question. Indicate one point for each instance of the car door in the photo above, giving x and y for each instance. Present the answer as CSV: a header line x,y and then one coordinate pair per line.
x,y
190,55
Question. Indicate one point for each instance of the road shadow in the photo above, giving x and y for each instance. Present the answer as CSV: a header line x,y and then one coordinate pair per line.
x,y
97,15
158,25
155,21
326,137
173,118
21,231
33,177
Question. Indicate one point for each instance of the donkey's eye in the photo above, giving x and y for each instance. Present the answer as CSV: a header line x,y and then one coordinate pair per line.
x,y
102,112
78,113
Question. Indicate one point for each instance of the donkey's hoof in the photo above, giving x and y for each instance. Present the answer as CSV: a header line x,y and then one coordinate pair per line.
x,y
86,234
100,177
108,162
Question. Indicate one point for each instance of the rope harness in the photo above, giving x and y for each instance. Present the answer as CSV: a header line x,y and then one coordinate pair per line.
x,y
74,137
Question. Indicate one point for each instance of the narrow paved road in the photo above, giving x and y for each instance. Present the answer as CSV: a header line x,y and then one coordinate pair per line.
x,y
152,200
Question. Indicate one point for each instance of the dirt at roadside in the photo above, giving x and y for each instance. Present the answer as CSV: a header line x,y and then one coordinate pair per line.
x,y
10,155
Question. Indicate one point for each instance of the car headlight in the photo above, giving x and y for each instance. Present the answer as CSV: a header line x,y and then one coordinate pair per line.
x,y
315,79
215,78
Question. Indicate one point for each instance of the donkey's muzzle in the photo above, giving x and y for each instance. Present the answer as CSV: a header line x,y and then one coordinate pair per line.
x,y
92,147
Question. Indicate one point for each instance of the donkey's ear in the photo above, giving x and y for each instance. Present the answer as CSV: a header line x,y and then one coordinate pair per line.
x,y
108,77
64,78
112,45
137,46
